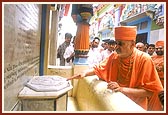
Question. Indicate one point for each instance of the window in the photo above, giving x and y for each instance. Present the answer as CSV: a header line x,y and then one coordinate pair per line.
x,y
143,25
137,25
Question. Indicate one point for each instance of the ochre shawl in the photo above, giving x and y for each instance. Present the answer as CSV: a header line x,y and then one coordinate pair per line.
x,y
159,62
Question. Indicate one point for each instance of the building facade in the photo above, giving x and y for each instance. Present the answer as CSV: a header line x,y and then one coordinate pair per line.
x,y
149,19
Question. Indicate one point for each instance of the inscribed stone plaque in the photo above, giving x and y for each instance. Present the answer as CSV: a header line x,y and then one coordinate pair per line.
x,y
22,29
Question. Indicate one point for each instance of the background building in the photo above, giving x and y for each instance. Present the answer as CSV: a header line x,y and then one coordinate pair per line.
x,y
149,19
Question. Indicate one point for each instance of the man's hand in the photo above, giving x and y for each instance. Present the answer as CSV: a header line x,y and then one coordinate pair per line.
x,y
68,59
85,73
78,76
114,86
136,92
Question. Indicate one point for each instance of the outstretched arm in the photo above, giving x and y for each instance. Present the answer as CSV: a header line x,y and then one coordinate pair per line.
x,y
85,73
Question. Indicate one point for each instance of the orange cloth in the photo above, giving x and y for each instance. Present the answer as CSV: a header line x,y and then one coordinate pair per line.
x,y
125,32
159,43
82,37
159,63
144,75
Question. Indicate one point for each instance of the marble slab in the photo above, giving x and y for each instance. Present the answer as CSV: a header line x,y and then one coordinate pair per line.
x,y
48,83
41,87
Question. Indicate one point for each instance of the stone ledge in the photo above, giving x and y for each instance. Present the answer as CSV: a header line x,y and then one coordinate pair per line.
x,y
93,95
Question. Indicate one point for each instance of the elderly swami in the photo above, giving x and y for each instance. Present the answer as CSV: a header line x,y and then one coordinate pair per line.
x,y
129,71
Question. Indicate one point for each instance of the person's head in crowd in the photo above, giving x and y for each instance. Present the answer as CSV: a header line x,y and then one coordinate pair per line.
x,y
111,45
159,47
140,46
68,37
151,49
146,47
125,40
105,43
95,42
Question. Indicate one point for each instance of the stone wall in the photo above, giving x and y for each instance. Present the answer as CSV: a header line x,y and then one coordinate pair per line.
x,y
93,95
22,30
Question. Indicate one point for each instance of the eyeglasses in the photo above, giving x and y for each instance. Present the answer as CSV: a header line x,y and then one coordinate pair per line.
x,y
120,43
158,48
138,47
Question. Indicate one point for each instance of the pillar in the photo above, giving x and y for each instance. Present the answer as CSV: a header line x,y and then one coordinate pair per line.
x,y
81,14
82,44
52,37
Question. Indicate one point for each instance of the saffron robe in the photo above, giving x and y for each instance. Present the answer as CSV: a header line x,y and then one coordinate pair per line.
x,y
159,63
143,75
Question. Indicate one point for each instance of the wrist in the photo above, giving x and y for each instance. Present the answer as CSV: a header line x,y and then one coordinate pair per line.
x,y
83,75
121,89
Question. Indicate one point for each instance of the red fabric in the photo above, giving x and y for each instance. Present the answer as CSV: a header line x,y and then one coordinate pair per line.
x,y
66,9
125,32
144,75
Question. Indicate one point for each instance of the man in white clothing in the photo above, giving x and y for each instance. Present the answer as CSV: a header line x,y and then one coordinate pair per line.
x,y
110,49
69,54
94,56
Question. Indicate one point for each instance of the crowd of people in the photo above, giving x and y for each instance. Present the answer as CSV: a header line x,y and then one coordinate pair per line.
x,y
132,68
